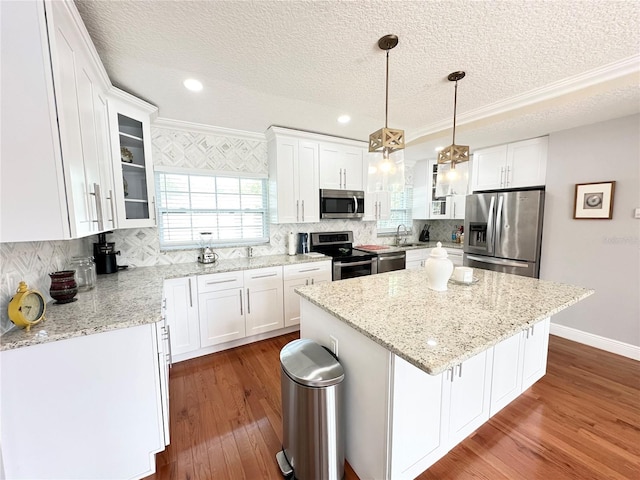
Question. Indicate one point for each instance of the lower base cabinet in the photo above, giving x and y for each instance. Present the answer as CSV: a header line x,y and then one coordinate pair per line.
x,y
207,312
86,407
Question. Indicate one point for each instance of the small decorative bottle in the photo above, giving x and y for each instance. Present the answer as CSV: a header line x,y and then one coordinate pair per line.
x,y
439,269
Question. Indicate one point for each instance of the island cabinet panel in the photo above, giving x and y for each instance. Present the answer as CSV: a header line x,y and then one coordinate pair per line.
x,y
511,377
467,397
418,417
86,407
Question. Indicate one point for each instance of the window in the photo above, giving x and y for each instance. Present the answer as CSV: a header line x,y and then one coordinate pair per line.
x,y
401,203
233,209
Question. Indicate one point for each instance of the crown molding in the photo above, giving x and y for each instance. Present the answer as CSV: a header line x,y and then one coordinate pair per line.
x,y
568,85
134,101
206,129
274,130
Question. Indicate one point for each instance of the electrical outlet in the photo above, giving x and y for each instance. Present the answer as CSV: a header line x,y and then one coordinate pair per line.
x,y
334,344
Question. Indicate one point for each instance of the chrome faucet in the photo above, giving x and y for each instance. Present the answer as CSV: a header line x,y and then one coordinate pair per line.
x,y
406,233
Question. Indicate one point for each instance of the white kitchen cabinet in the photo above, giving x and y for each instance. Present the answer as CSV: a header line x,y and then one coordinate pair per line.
x,y
416,259
377,206
91,407
429,202
52,125
221,306
134,185
515,165
163,339
417,416
181,310
264,293
298,276
456,256
518,362
239,304
341,166
468,398
293,179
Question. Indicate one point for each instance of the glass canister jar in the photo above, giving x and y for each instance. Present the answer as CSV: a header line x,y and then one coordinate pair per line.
x,y
85,269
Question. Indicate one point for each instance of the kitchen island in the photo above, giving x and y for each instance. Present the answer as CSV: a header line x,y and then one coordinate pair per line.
x,y
424,369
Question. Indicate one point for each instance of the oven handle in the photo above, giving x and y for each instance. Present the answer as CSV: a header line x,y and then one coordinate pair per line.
x,y
354,264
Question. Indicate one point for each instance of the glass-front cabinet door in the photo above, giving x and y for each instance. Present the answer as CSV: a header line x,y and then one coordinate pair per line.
x,y
133,167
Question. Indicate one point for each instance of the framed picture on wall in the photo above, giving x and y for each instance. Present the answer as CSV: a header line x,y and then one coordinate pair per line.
x,y
594,200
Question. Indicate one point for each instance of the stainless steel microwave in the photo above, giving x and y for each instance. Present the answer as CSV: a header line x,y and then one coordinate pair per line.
x,y
341,203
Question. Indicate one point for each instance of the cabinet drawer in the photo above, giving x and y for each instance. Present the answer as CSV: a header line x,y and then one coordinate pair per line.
x,y
304,270
263,277
416,255
220,281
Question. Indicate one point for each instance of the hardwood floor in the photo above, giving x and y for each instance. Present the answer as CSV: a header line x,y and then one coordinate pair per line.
x,y
581,421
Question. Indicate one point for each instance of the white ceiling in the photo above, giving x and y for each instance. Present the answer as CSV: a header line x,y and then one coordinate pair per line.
x,y
533,67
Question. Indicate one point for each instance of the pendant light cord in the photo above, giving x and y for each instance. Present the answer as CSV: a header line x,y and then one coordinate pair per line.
x,y
386,100
455,103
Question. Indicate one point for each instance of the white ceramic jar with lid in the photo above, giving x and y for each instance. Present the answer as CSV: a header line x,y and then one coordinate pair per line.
x,y
438,268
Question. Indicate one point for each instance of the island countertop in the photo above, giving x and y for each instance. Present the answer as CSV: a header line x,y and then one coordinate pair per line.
x,y
437,330
128,298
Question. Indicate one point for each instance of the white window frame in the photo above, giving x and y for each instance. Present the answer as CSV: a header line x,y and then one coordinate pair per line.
x,y
195,242
384,227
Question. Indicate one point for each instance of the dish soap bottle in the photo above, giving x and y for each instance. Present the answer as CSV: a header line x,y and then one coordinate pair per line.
x,y
438,268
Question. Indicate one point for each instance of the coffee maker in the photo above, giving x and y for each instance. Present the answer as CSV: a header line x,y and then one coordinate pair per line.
x,y
105,255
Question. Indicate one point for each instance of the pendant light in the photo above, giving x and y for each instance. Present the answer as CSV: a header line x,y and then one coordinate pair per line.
x,y
387,140
454,154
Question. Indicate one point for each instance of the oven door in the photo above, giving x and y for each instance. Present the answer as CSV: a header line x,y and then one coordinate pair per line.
x,y
341,203
343,269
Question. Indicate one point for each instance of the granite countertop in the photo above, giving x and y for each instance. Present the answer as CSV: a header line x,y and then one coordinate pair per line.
x,y
410,246
126,299
437,330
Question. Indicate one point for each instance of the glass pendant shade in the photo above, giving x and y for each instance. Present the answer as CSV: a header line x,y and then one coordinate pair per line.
x,y
454,154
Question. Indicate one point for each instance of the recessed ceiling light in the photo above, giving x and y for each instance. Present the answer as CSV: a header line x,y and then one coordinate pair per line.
x,y
192,84
439,149
344,118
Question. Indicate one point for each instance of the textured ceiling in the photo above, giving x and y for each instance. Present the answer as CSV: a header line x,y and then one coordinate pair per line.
x,y
301,64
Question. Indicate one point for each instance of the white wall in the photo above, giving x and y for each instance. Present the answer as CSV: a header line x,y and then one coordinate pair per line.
x,y
599,254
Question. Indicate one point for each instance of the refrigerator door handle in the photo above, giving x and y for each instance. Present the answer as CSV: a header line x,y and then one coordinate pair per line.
x,y
498,261
499,223
490,226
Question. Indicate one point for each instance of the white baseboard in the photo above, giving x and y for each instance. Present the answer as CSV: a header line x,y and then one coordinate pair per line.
x,y
607,344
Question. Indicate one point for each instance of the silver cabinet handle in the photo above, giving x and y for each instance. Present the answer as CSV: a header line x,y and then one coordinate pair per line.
x,y
266,275
375,211
306,282
345,178
153,205
502,176
507,180
98,198
113,211
460,370
190,295
340,178
303,210
312,281
248,303
454,208
309,270
297,210
221,281
241,311
170,357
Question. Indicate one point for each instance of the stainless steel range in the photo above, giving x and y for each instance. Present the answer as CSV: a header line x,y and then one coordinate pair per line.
x,y
347,262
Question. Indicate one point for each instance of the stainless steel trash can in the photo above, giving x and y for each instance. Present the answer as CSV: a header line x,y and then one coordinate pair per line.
x,y
313,432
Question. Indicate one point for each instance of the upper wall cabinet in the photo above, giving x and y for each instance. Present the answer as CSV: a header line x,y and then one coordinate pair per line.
x,y
133,198
431,203
341,166
55,141
515,165
293,178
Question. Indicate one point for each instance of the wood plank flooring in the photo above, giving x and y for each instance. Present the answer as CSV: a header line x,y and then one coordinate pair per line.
x,y
581,421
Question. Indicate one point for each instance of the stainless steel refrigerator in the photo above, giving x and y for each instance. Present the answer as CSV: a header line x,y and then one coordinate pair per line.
x,y
503,231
